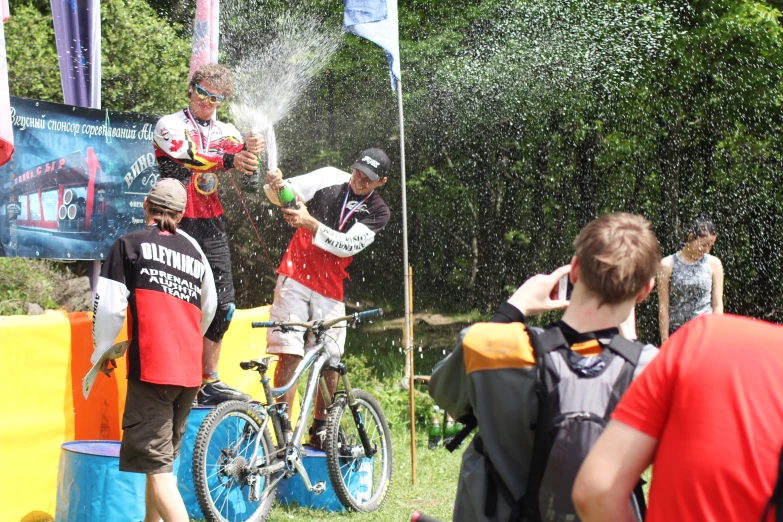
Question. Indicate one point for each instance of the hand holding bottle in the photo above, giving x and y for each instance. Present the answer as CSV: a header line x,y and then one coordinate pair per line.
x,y
255,142
274,179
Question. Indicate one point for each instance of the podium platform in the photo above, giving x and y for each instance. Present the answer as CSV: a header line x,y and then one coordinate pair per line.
x,y
90,485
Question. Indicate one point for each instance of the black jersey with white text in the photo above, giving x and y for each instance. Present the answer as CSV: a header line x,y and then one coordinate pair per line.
x,y
165,282
349,224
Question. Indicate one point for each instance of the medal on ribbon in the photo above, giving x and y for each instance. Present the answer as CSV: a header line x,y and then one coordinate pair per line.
x,y
205,183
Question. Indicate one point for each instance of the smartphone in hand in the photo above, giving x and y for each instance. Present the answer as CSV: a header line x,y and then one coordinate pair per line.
x,y
564,288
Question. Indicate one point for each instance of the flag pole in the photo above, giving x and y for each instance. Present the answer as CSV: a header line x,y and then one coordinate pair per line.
x,y
406,277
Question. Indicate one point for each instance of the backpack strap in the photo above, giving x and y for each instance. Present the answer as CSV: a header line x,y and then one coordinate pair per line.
x,y
469,423
545,341
776,500
631,351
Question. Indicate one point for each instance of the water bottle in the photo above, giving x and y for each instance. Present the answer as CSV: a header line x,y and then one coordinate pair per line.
x,y
450,430
435,432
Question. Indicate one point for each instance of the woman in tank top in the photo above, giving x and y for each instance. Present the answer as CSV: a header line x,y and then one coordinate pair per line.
x,y
690,282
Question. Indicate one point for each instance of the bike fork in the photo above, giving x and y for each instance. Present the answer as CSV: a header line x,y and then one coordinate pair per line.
x,y
369,450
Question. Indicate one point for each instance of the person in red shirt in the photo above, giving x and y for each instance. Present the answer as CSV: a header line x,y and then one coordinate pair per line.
x,y
195,148
343,216
707,414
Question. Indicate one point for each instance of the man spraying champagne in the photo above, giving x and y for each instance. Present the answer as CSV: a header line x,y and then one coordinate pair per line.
x,y
343,216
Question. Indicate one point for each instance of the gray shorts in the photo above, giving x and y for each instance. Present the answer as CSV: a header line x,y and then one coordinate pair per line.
x,y
295,302
154,422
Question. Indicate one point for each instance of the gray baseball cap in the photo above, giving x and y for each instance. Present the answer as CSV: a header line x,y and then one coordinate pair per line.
x,y
168,193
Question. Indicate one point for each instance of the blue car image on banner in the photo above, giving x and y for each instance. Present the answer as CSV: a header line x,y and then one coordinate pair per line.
x,y
76,181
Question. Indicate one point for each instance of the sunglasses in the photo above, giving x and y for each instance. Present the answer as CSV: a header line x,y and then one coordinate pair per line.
x,y
202,93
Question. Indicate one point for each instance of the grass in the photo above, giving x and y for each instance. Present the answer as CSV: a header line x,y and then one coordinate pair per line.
x,y
27,280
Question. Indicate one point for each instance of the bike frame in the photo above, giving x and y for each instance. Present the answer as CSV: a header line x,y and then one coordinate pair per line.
x,y
316,360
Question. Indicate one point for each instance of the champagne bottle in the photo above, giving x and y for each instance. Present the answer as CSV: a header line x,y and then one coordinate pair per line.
x,y
252,182
435,431
286,197
450,430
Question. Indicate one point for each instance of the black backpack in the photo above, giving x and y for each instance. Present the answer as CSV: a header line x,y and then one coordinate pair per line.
x,y
587,389
576,396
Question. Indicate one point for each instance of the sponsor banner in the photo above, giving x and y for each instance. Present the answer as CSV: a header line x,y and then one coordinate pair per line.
x,y
76,181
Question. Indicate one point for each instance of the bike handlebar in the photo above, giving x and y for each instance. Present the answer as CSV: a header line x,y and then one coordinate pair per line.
x,y
355,317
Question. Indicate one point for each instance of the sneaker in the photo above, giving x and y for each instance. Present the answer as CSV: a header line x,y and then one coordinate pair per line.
x,y
213,393
317,436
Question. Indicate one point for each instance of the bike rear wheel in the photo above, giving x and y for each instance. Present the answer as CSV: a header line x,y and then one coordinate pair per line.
x,y
221,467
361,483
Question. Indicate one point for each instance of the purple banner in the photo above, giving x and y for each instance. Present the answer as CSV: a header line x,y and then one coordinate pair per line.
x,y
77,30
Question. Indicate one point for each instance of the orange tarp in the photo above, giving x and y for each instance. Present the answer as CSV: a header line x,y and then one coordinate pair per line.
x,y
44,359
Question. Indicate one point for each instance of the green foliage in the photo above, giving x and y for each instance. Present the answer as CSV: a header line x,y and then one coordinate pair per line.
x,y
393,399
32,57
27,281
145,62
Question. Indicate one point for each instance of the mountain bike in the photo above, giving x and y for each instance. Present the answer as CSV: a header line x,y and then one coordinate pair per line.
x,y
237,466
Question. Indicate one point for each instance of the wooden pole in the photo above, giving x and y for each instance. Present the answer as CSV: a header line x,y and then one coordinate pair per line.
x,y
411,381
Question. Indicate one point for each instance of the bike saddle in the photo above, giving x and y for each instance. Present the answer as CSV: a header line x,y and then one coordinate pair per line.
x,y
257,364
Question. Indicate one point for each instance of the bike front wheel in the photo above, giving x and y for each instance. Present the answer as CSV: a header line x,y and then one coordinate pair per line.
x,y
361,482
224,477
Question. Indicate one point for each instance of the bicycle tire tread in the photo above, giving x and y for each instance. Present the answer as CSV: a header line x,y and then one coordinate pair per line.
x,y
212,419
332,457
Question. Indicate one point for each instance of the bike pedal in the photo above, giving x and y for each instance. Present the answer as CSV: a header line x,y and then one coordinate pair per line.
x,y
319,487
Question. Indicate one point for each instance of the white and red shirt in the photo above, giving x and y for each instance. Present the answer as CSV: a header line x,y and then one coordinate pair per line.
x,y
349,224
166,283
186,147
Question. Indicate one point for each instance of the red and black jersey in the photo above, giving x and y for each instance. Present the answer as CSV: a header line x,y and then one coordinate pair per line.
x,y
190,150
165,281
349,224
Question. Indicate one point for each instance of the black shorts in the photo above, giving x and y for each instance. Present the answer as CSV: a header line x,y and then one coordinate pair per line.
x,y
210,233
154,422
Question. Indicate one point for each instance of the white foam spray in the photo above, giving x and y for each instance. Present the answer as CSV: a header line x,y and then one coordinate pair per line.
x,y
270,80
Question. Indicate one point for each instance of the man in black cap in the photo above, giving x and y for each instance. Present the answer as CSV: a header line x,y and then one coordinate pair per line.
x,y
343,215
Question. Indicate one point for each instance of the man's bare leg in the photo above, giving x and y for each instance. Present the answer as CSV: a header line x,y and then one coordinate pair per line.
x,y
284,370
320,404
211,356
163,500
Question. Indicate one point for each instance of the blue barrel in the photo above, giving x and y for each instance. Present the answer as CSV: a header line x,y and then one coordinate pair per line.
x,y
185,472
90,485
292,491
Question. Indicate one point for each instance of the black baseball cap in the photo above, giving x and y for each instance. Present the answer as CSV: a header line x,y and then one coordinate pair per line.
x,y
374,163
